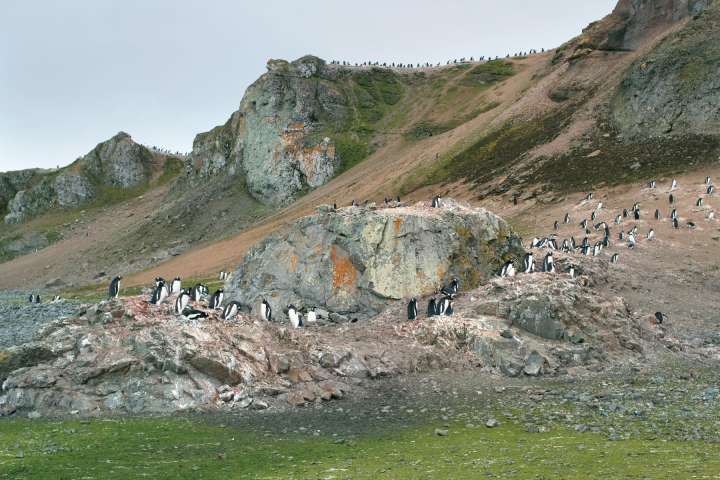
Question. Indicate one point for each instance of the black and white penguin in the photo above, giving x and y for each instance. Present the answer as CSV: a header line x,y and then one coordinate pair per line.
x,y
637,214
449,310
567,218
606,241
549,263
194,314
570,271
621,235
37,298
412,309
690,224
593,216
675,223
197,292
217,299
451,289
618,220
710,190
528,263
565,246
552,244
674,184
615,258
660,317
596,249
114,289
699,202
445,303
573,244
159,280
631,240
56,299
31,298
159,294
535,242
311,315
176,285
651,234
436,202
585,250
556,225
231,310
657,214
265,311
708,181
625,213
182,301
432,308
652,184
671,199
588,197
673,214
583,224
294,316
599,206
508,269
711,216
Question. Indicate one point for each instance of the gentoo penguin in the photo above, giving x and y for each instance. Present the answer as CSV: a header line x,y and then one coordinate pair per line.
x,y
176,285
265,311
159,294
671,199
217,299
675,223
593,216
567,218
651,184
556,225
37,297
621,235
710,190
31,298
660,317
552,244
674,184
182,300
631,240
56,299
657,214
534,242
651,234
193,314
637,214
449,310
699,202
528,263
673,214
565,246
618,220
230,310
588,197
571,271
197,292
690,224
353,203
294,316
412,309
596,249
311,315
114,289
549,263
159,280
445,303
711,216
583,224
508,270
599,206
451,289
708,181
625,213
615,258
432,308
436,201
585,250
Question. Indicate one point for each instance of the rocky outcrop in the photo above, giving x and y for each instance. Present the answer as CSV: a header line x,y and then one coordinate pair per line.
x,y
116,163
355,261
13,182
675,90
283,138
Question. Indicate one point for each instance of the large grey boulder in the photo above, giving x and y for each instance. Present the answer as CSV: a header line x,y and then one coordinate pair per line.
x,y
355,261
73,189
119,162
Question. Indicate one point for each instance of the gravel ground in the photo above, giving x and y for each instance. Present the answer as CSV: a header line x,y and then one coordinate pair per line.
x,y
19,320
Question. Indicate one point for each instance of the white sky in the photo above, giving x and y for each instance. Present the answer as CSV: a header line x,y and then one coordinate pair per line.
x,y
75,72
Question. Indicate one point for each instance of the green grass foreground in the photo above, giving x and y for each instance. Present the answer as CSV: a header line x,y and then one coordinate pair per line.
x,y
179,448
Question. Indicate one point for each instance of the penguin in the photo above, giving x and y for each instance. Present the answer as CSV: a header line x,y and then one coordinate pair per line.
x,y
711,216
625,213
571,271
585,242
552,244
432,308
660,317
556,225
674,184
412,309
588,197
651,234
567,218
444,304
311,315
657,214
217,299
699,202
176,285
652,184
193,314
637,214
230,310
636,206
710,190
583,224
182,300
618,220
675,223
549,263
615,258
159,294
599,206
352,204
621,235
708,181
31,298
528,263
585,250
197,292
449,310
565,246
37,298
596,249
593,216
690,224
451,289
572,243
158,281
265,311
114,289
671,199
334,206
294,316
436,202
631,240
534,242
508,269
56,299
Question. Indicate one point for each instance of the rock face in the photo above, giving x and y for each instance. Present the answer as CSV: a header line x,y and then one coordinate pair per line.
x,y
355,261
118,162
284,136
675,89
13,182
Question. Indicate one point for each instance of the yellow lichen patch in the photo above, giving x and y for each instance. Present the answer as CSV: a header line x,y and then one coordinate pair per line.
x,y
293,263
397,223
344,272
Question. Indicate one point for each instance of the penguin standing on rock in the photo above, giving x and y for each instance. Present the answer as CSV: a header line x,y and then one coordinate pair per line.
x,y
294,316
651,234
699,202
451,289
508,270
674,184
181,302
217,299
657,214
436,202
675,223
432,308
194,314
159,294
311,315
673,214
114,289
31,298
710,190
567,218
445,305
671,199
176,285
660,317
231,310
412,309
652,184
549,263
265,311
528,263
637,214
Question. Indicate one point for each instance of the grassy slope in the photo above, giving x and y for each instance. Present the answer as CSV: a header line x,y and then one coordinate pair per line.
x,y
174,448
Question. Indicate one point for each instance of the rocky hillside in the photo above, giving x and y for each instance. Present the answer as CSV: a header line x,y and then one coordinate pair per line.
x,y
112,166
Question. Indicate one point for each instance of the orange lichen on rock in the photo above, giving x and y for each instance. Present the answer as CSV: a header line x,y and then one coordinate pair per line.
x,y
397,223
293,263
344,272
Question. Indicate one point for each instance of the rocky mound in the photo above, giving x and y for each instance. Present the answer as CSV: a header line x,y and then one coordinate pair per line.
x,y
355,261
130,356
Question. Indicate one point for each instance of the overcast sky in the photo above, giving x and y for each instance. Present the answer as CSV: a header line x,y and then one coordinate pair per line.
x,y
75,72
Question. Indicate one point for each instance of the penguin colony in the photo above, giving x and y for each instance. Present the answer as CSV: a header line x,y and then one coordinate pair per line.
x,y
441,303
